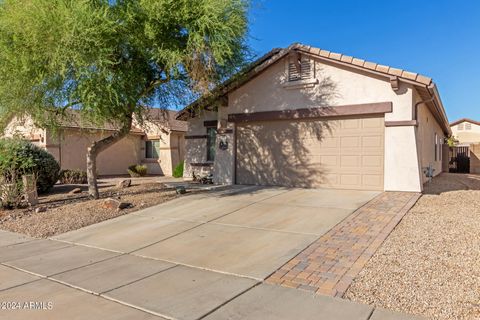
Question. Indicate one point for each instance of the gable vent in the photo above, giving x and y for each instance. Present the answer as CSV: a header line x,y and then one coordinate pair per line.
x,y
305,71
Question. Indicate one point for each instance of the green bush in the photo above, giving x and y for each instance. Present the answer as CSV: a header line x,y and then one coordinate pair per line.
x,y
178,171
137,170
73,176
26,158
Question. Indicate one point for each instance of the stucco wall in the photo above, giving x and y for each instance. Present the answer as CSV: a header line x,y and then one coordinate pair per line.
x,y
475,158
426,130
337,86
172,147
177,149
70,147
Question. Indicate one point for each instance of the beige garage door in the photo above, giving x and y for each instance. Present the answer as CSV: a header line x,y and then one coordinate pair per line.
x,y
342,154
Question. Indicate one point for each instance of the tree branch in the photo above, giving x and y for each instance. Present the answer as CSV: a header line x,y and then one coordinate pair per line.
x,y
153,84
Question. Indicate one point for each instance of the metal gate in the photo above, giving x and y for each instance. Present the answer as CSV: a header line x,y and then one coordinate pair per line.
x,y
459,160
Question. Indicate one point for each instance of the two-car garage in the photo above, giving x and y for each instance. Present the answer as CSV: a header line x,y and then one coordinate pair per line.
x,y
342,153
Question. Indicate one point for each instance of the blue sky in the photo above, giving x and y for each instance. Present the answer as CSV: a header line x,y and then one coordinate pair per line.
x,y
437,38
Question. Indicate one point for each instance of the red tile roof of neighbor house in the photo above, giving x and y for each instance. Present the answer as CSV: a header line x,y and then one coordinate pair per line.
x,y
276,54
454,123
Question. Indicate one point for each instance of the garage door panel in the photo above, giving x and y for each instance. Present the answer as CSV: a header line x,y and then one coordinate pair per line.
x,y
328,142
328,160
372,142
372,180
349,142
376,123
350,180
342,154
350,161
372,161
351,124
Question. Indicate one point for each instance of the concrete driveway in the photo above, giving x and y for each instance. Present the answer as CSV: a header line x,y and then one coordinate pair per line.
x,y
201,256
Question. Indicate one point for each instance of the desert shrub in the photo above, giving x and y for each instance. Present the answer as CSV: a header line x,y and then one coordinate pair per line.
x,y
137,170
23,157
74,176
11,190
178,170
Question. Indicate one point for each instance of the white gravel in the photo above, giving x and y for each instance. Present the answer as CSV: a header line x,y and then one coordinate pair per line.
x,y
430,263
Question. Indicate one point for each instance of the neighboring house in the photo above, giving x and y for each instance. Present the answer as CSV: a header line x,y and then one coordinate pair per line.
x,y
307,117
466,131
158,143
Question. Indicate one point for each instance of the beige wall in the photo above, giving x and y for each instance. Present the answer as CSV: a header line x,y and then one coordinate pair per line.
x,y
177,148
172,146
475,158
427,128
70,148
337,86
466,137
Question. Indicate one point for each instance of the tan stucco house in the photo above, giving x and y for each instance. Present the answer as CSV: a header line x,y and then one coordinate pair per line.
x,y
158,143
466,131
307,117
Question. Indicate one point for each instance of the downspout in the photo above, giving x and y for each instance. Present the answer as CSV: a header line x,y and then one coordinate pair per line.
x,y
419,149
415,107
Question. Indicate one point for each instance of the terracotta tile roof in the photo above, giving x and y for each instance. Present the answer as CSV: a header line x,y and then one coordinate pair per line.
x,y
274,55
454,123
166,118
365,64
73,119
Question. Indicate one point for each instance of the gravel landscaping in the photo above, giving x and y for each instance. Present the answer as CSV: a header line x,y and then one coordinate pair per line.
x,y
430,263
65,211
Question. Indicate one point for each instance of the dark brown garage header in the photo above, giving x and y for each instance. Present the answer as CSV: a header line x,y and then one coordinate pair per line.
x,y
312,113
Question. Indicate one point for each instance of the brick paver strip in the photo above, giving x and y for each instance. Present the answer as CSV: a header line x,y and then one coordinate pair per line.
x,y
329,265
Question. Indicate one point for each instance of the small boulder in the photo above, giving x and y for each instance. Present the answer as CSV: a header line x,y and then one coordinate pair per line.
x,y
111,203
76,190
124,183
40,209
124,205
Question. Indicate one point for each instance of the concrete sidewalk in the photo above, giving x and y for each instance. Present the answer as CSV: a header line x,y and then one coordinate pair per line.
x,y
205,257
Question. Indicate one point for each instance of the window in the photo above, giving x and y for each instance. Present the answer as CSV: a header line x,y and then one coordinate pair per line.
x,y
436,147
440,148
460,126
304,73
468,126
211,143
152,149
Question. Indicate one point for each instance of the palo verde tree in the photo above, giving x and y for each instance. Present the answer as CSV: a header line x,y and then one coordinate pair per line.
x,y
109,59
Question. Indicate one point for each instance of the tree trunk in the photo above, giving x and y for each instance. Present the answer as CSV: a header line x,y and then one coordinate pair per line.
x,y
97,147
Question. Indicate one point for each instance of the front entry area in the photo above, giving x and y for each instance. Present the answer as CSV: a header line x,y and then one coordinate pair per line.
x,y
344,153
